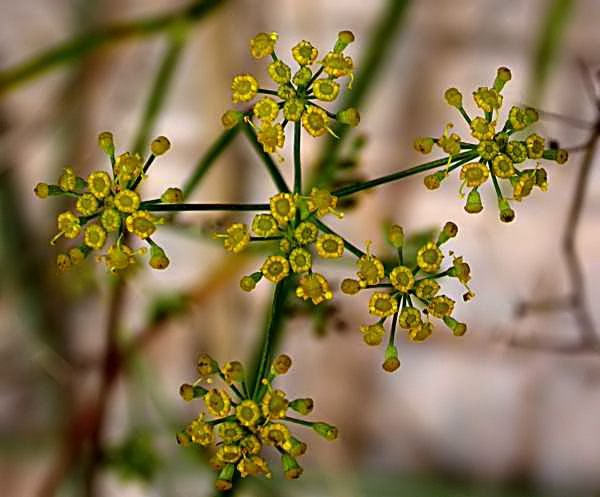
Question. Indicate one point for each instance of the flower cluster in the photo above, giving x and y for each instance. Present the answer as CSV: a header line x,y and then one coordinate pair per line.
x,y
497,154
245,423
297,93
293,222
394,297
108,204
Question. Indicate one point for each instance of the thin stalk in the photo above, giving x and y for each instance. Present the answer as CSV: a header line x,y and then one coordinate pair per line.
x,y
299,421
203,207
365,185
297,160
77,47
208,159
272,168
351,248
273,328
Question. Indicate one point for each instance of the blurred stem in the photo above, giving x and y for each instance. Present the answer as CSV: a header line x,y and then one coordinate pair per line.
x,y
208,159
272,330
158,93
272,168
365,185
557,15
75,48
371,62
297,159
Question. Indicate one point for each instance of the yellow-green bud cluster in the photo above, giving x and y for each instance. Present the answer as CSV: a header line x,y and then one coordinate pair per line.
x,y
109,203
297,90
409,294
237,424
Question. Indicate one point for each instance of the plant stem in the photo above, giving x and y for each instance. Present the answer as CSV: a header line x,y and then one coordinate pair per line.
x,y
365,185
203,207
77,47
298,421
351,248
208,159
297,160
272,329
266,158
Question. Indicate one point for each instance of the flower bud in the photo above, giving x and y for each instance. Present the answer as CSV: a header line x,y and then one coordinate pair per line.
x,y
458,328
224,478
172,195
473,205
302,406
295,447
291,469
506,213
391,362
105,141
231,119
423,144
453,97
189,392
160,145
327,431
41,190
344,39
350,286
449,231
349,116
158,258
281,364
503,76
206,365
396,235
433,181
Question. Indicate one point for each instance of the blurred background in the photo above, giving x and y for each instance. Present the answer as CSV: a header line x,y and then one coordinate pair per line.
x,y
90,370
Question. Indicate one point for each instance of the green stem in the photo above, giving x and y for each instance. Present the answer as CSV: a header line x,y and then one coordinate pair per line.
x,y
208,159
78,46
273,328
203,207
298,421
267,159
297,162
357,187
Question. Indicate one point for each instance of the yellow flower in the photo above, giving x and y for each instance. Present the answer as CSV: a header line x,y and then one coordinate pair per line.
x,y
409,317
326,89
420,332
217,402
314,286
253,465
68,225
247,413
119,257
402,278
128,167
382,304
127,201
283,207
263,44
110,219
518,118
67,180
535,146
230,432
488,149
517,151
160,145
315,121
250,444
304,53
503,166
141,223
87,204
293,109
427,288
302,76
94,236
306,233
373,333
243,88
270,136
330,246
350,286
275,268
229,454
99,184
300,260
280,72
429,258
274,404
487,99
264,225
349,116
337,65
286,92
63,262
474,174
275,434
482,130
322,202
370,269
441,306
236,238
450,143
523,185
266,110
200,432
